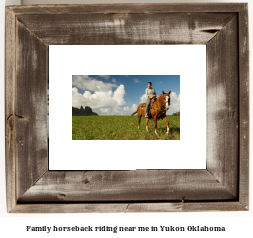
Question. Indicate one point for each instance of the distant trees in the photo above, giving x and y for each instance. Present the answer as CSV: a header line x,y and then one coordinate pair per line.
x,y
176,114
87,111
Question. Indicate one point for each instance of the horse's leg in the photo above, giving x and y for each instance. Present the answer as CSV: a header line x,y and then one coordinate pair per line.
x,y
168,124
155,121
147,123
139,121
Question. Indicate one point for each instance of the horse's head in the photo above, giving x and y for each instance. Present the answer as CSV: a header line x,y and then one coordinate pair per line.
x,y
166,99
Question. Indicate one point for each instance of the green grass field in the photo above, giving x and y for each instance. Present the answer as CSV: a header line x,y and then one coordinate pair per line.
x,y
122,128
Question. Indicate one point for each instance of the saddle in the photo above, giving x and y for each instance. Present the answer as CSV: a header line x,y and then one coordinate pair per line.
x,y
153,100
151,105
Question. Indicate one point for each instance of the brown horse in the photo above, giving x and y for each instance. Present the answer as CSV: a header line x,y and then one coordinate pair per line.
x,y
157,110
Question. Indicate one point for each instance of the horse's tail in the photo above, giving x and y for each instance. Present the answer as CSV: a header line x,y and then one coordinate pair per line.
x,y
134,113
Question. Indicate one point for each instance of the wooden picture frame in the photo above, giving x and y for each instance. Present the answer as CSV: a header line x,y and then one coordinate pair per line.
x,y
222,186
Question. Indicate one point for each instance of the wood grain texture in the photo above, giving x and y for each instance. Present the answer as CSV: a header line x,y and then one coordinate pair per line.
x,y
9,109
222,107
129,207
244,106
30,108
148,8
139,185
120,29
186,207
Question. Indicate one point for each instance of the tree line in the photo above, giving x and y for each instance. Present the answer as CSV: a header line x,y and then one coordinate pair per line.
x,y
87,111
176,114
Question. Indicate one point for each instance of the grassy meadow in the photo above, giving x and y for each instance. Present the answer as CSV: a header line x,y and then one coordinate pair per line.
x,y
122,128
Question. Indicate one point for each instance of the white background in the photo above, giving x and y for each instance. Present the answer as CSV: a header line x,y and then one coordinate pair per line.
x,y
238,224
188,61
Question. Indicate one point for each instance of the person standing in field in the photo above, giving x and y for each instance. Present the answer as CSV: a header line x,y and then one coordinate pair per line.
x,y
150,92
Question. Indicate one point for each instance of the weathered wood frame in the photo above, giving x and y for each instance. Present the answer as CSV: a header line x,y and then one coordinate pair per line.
x,y
223,186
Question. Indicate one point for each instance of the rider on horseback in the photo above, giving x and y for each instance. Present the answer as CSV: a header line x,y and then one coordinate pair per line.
x,y
150,92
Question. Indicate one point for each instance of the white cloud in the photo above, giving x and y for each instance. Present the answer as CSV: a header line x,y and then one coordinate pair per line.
x,y
137,81
74,91
119,95
104,76
105,110
159,82
91,84
174,103
130,110
114,80
99,99
117,110
143,98
103,100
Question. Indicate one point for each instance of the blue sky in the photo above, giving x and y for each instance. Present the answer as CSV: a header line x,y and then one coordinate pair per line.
x,y
121,94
